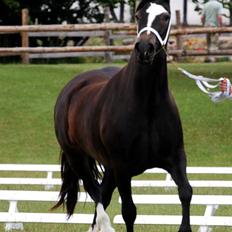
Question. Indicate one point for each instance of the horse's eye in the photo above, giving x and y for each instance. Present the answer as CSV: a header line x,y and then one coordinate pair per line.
x,y
166,17
137,17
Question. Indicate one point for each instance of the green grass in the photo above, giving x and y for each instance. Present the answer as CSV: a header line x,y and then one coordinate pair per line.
x,y
207,126
27,98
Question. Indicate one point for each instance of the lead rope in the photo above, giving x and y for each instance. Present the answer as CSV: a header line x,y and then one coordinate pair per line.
x,y
203,83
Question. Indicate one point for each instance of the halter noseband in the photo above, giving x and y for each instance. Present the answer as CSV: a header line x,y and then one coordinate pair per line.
x,y
164,41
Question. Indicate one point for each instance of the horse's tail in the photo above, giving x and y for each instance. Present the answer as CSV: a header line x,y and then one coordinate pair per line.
x,y
82,168
69,188
75,164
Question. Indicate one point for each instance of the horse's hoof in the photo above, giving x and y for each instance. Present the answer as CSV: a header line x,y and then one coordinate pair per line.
x,y
185,229
109,230
95,229
102,220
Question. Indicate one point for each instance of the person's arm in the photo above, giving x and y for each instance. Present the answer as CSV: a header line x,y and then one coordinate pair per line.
x,y
203,16
219,18
203,20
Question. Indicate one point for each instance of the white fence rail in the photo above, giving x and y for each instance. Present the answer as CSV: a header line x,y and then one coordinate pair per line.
x,y
49,181
14,219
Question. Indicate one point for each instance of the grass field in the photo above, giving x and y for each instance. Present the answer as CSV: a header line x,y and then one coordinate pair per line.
x,y
27,98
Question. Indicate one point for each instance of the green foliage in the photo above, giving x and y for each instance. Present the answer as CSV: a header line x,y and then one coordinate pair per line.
x,y
9,12
12,4
59,11
109,2
53,11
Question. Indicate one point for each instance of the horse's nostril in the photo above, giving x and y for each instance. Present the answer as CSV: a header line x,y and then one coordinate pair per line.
x,y
151,48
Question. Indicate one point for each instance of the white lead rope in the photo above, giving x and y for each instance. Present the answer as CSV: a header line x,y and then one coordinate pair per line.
x,y
204,86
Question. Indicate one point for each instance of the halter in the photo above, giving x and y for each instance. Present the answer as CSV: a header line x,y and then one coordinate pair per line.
x,y
153,11
164,41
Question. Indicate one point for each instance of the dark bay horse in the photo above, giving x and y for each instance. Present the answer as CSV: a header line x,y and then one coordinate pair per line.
x,y
126,120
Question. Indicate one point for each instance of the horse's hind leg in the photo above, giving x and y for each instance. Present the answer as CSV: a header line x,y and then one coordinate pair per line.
x,y
85,168
102,219
107,188
178,173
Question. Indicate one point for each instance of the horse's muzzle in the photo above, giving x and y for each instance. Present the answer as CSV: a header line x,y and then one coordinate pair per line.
x,y
145,52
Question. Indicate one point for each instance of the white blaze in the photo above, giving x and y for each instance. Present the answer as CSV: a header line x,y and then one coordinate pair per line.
x,y
153,11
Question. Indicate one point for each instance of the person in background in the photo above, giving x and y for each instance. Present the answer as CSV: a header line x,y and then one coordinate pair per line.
x,y
212,17
225,86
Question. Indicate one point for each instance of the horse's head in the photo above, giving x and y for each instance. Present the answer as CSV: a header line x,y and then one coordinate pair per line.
x,y
154,22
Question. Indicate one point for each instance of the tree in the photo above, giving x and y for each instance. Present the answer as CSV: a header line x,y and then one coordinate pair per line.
x,y
9,15
132,4
185,14
113,4
59,11
49,12
9,12
226,4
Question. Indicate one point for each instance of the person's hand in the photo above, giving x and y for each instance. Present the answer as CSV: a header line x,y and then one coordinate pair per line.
x,y
225,86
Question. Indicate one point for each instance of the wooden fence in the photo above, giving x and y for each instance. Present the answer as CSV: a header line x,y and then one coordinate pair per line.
x,y
112,30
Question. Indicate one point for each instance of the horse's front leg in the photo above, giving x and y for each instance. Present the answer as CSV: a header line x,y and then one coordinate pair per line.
x,y
123,182
178,173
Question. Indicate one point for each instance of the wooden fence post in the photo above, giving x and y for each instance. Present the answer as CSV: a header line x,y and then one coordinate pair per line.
x,y
108,42
24,36
179,43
